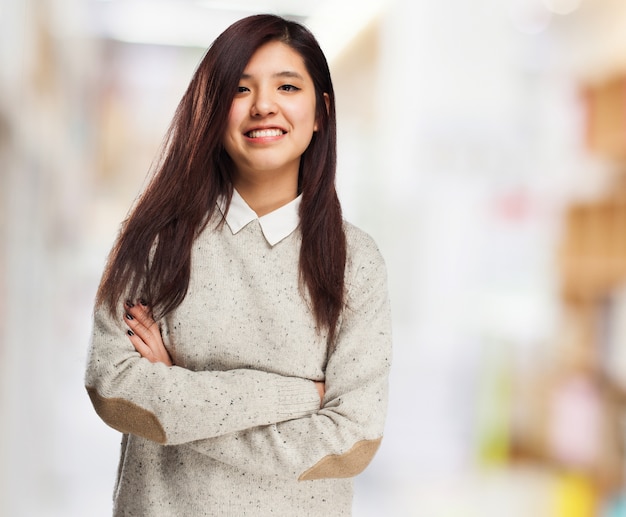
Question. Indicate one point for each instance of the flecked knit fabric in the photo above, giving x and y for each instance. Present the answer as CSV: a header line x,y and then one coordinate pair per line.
x,y
236,428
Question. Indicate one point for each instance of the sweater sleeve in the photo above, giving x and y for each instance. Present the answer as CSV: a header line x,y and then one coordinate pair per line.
x,y
340,439
173,405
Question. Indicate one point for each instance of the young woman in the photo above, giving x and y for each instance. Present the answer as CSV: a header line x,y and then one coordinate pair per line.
x,y
241,335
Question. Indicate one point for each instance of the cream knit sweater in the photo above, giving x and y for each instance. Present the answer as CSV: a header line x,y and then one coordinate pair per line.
x,y
235,428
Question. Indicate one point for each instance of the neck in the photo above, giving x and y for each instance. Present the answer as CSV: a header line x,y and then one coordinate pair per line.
x,y
266,197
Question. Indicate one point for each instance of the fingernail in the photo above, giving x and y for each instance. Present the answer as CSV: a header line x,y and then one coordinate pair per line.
x,y
143,302
128,316
130,333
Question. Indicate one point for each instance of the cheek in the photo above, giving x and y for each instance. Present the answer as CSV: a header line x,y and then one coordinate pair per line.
x,y
230,124
233,124
307,116
236,115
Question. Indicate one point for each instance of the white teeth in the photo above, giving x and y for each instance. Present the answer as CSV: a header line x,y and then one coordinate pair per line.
x,y
260,133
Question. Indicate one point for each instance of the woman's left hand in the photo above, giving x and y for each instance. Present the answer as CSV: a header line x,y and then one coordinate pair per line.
x,y
145,334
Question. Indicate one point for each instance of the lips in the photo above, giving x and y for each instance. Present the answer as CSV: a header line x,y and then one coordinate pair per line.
x,y
265,133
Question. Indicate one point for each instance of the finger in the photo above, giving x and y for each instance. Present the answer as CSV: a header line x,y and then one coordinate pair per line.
x,y
140,330
321,389
154,356
143,313
146,339
140,346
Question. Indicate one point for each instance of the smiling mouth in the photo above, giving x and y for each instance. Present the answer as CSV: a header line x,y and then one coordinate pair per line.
x,y
261,133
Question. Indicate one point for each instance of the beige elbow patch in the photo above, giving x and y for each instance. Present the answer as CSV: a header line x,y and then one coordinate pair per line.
x,y
345,465
127,417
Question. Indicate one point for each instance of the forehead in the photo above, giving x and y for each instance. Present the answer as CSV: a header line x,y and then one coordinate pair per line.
x,y
274,58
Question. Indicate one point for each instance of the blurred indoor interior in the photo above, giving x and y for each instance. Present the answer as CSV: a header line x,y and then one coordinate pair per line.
x,y
482,143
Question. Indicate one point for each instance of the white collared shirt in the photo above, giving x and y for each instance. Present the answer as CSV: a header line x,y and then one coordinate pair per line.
x,y
275,226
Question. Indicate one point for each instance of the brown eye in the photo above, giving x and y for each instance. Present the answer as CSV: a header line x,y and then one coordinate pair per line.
x,y
289,88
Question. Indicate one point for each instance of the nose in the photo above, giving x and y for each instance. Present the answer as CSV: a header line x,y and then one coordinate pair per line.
x,y
264,104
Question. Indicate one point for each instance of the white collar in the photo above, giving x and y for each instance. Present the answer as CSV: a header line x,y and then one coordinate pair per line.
x,y
275,226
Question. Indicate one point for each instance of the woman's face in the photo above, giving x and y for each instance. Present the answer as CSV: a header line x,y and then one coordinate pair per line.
x,y
272,117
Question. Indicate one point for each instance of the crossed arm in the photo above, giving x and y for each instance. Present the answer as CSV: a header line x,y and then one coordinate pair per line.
x,y
251,419
145,336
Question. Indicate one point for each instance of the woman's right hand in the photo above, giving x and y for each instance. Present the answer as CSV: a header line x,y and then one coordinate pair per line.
x,y
145,335
321,389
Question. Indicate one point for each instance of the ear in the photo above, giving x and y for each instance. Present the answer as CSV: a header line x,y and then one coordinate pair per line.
x,y
327,102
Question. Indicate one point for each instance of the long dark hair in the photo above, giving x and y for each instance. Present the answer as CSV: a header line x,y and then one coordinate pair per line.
x,y
152,256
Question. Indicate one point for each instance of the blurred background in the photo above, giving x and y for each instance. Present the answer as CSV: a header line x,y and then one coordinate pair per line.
x,y
482,144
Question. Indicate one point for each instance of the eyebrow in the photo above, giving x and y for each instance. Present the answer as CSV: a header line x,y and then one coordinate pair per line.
x,y
286,74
